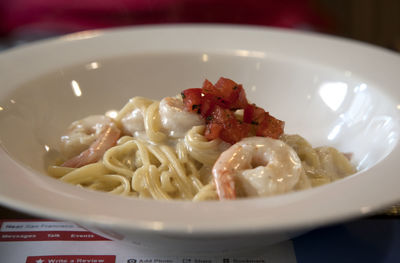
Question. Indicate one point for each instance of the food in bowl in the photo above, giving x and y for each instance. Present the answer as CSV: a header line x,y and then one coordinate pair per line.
x,y
207,143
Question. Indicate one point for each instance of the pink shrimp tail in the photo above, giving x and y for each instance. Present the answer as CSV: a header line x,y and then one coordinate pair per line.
x,y
225,187
107,139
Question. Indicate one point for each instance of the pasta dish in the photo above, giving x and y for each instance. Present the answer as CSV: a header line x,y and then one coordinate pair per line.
x,y
207,143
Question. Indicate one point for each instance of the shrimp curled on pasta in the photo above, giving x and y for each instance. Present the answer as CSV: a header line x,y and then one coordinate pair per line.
x,y
262,166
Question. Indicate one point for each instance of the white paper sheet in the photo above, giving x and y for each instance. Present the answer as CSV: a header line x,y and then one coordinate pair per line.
x,y
41,241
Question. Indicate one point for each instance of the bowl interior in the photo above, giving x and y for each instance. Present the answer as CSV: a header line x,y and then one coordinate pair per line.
x,y
327,106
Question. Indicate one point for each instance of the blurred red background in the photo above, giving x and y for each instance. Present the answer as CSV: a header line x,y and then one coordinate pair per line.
x,y
373,21
27,19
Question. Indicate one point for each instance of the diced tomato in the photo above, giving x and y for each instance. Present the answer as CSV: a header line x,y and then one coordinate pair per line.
x,y
233,93
229,94
241,101
227,89
235,132
270,127
192,99
221,115
253,114
207,105
248,113
219,119
208,87
265,124
232,129
225,85
213,130
217,103
217,96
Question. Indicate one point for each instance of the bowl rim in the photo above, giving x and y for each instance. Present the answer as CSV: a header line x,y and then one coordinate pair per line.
x,y
208,218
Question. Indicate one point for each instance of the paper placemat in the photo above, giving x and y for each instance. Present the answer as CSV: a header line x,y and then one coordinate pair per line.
x,y
42,241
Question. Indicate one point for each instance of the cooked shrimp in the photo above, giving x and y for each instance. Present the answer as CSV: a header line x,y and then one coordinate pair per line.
x,y
133,123
106,139
132,115
256,166
82,133
174,119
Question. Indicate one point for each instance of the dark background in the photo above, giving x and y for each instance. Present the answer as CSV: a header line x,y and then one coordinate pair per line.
x,y
372,21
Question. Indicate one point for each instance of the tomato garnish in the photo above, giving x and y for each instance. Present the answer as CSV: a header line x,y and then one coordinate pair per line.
x,y
213,131
270,127
217,103
224,124
209,102
192,99
228,94
253,114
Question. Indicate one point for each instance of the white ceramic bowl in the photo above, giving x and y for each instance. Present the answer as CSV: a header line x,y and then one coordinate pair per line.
x,y
331,91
